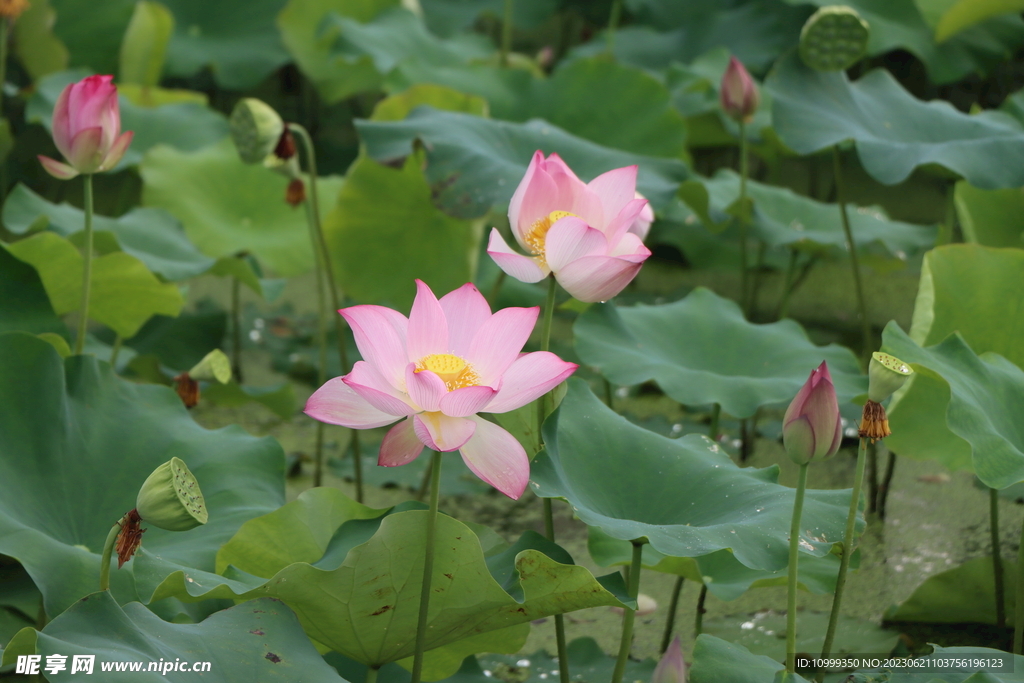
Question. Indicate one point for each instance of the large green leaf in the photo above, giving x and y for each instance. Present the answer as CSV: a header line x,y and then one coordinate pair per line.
x,y
597,99
993,218
311,44
701,350
182,125
24,304
719,661
384,232
237,39
475,163
894,132
227,207
783,218
985,399
93,38
975,291
35,45
899,24
966,13
123,293
724,577
684,495
78,443
150,235
257,641
961,595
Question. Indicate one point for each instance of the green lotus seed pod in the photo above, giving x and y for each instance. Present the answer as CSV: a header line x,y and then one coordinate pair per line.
x,y
886,374
170,498
214,366
834,38
255,129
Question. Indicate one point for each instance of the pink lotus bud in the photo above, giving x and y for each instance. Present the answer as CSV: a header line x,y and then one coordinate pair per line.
x,y
87,129
738,95
672,667
812,428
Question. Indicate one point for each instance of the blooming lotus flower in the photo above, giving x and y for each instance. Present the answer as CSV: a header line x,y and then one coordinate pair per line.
x,y
738,95
87,129
812,428
434,371
579,231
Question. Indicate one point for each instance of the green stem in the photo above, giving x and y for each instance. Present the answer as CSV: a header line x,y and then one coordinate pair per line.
x,y
743,221
5,26
613,23
371,674
670,621
698,621
1018,620
496,289
852,248
755,281
630,614
428,567
883,488
609,394
115,351
844,562
872,506
332,284
83,321
787,286
236,329
794,558
108,550
997,560
716,413
506,33
545,344
321,340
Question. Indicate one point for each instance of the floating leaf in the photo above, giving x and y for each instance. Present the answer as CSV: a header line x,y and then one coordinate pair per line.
x,y
103,436
701,350
260,640
964,594
123,293
719,661
384,232
278,399
684,495
985,398
475,163
993,218
227,207
397,107
587,662
151,235
894,132
975,291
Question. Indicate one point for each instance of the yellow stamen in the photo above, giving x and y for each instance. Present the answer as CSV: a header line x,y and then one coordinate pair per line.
x,y
539,231
454,371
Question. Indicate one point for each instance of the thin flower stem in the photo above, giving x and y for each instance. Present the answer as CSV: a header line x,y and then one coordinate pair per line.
x,y
744,170
428,567
115,351
852,248
613,24
670,621
236,329
321,340
108,550
83,321
872,506
844,561
883,488
787,284
496,289
371,674
1018,621
698,620
320,245
506,33
997,560
794,558
716,413
630,614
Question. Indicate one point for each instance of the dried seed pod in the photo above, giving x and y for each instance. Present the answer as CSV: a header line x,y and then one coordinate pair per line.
x,y
188,389
886,374
170,498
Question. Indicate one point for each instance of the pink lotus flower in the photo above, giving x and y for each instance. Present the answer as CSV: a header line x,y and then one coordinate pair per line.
x,y
87,129
450,360
812,427
738,95
579,231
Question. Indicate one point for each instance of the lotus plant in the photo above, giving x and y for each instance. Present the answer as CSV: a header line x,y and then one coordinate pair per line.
x,y
580,232
87,131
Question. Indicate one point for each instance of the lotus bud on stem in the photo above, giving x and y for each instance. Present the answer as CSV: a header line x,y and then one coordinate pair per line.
x,y
214,366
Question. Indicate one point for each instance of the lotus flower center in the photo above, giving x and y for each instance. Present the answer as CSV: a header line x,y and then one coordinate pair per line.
x,y
539,231
454,371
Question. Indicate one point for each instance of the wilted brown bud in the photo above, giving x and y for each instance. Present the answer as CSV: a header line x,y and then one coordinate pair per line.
x,y
296,193
874,423
285,146
129,538
11,9
188,389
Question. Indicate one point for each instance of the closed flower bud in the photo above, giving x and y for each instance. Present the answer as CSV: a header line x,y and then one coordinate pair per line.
x,y
672,667
812,428
737,94
170,498
886,374
256,129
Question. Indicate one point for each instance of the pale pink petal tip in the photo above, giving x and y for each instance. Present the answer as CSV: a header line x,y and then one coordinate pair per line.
x,y
498,458
57,169
336,403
